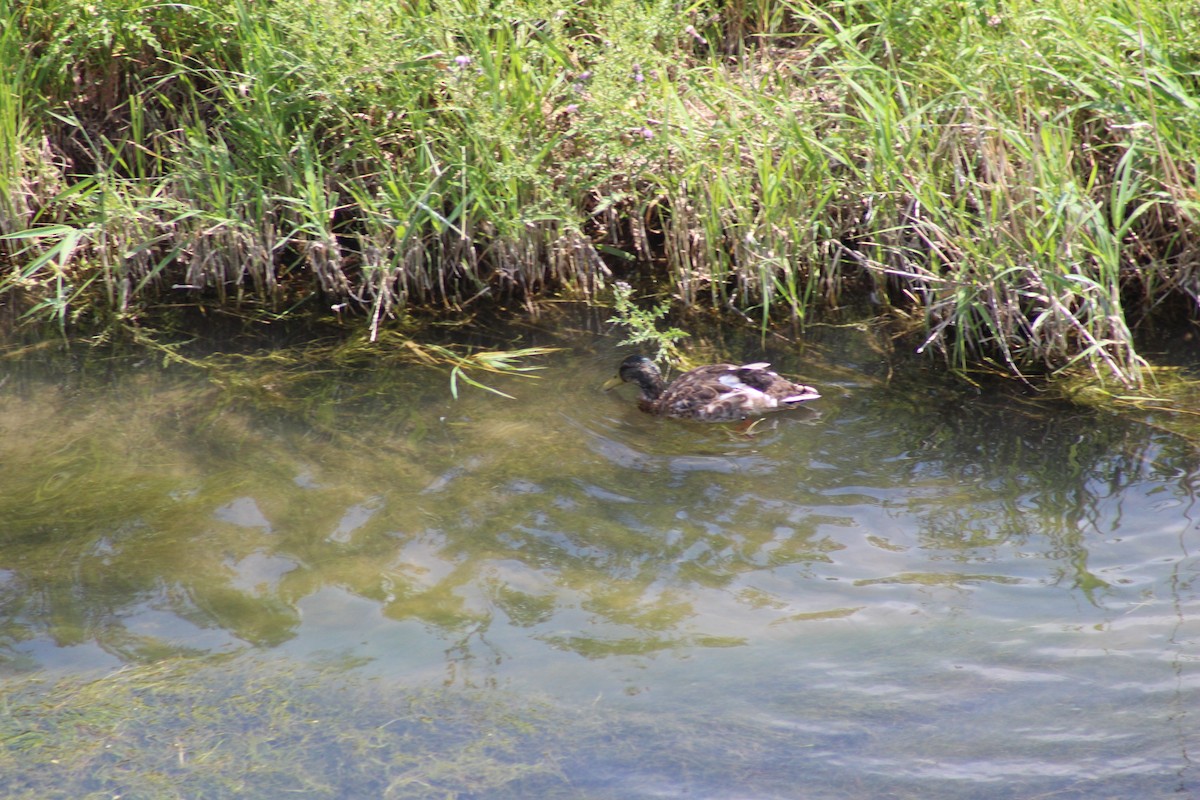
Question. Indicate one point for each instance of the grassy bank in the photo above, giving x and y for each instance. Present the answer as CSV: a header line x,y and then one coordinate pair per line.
x,y
1018,180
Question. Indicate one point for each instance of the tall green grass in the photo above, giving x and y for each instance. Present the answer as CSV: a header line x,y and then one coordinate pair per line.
x,y
1018,177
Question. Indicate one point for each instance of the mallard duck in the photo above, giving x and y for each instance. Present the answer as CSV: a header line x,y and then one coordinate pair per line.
x,y
715,393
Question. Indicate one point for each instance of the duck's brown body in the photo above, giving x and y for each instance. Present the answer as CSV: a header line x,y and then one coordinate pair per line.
x,y
715,393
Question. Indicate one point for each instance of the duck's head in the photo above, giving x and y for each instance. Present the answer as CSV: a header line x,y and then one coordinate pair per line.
x,y
640,370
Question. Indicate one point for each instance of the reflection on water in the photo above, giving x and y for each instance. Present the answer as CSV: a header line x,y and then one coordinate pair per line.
x,y
905,580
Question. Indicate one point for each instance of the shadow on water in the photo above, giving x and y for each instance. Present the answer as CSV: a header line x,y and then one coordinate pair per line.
x,y
910,588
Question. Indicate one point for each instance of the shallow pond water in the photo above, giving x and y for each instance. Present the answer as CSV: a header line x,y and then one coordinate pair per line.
x,y
908,589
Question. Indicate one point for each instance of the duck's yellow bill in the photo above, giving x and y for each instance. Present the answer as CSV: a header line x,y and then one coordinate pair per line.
x,y
612,383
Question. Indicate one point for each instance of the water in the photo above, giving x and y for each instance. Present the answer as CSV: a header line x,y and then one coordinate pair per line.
x,y
909,589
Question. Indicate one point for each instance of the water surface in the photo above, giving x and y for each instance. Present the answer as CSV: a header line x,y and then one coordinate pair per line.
x,y
911,588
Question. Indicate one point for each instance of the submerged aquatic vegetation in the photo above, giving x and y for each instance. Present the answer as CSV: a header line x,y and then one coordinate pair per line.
x,y
1018,180
1168,400
282,373
495,362
184,729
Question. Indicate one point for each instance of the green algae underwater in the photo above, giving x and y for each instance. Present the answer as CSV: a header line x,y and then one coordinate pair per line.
x,y
277,575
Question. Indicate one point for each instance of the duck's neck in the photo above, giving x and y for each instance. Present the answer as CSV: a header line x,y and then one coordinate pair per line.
x,y
651,385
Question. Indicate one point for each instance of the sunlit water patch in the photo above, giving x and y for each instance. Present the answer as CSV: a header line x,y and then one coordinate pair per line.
x,y
906,589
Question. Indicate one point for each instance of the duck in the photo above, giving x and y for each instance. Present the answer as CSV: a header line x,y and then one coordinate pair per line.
x,y
713,393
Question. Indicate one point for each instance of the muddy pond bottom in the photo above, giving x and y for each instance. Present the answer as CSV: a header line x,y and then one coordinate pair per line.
x,y
355,585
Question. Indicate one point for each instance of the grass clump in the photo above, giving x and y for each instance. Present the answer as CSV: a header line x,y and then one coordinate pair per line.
x,y
1018,179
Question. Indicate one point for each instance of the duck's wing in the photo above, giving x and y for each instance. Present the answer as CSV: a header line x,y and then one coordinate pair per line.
x,y
699,393
782,391
723,392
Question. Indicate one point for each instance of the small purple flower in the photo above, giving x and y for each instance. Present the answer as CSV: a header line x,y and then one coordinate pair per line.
x,y
637,73
695,34
462,61
572,108
645,133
